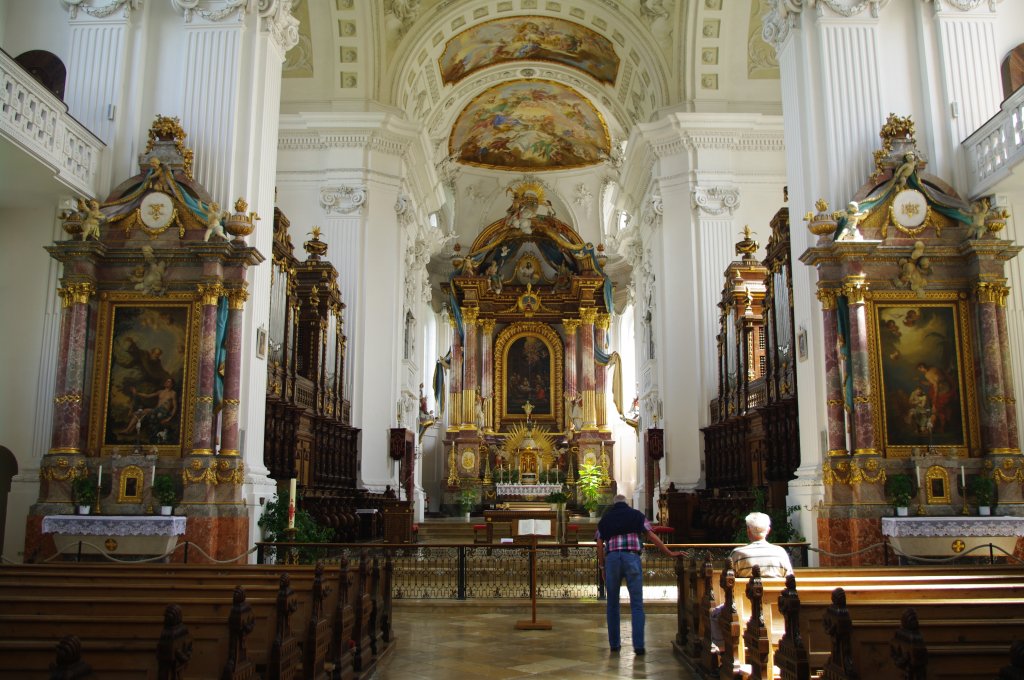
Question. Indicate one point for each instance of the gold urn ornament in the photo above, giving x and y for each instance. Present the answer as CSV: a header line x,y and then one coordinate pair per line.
x,y
824,222
239,223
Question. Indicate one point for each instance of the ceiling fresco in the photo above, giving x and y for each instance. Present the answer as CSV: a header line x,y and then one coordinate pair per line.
x,y
529,38
530,125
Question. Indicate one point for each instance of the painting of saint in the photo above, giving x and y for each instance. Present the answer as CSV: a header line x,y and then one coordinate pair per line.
x,y
533,38
528,377
530,125
921,375
148,357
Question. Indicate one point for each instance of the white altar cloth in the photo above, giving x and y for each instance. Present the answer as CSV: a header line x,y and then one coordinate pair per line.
x,y
527,489
116,535
948,536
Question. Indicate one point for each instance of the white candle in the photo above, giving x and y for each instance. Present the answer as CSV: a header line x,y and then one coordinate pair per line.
x,y
152,478
99,476
917,473
963,478
291,504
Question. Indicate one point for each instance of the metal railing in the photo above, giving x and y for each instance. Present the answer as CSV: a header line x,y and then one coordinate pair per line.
x,y
992,151
500,571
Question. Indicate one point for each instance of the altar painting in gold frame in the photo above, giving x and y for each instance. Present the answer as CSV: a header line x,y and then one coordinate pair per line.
x,y
922,366
145,371
528,368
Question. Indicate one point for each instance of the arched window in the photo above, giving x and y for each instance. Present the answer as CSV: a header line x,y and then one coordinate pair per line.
x,y
45,67
1013,70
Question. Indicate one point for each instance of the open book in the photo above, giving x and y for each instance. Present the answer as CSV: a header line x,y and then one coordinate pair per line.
x,y
541,527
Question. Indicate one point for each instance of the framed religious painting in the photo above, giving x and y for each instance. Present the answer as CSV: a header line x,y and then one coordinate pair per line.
x,y
923,368
145,368
528,374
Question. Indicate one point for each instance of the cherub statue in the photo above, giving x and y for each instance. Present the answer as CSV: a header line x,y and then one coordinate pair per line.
x,y
213,222
493,278
902,174
915,268
150,280
92,217
849,230
979,212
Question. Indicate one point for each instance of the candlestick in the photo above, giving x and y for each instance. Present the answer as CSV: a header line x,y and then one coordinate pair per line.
x,y
291,503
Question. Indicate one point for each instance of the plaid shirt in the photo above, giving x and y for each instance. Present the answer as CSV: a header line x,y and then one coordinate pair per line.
x,y
632,542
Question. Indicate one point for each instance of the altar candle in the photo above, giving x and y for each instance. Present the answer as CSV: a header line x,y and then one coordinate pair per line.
x,y
917,473
152,478
99,476
291,504
963,477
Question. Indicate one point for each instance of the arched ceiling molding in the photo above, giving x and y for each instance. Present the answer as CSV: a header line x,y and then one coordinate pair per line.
x,y
642,86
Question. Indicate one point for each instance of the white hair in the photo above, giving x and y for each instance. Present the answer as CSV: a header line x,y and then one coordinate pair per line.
x,y
619,498
758,524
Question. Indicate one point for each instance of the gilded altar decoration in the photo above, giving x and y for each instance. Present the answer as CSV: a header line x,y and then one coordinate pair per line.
x,y
130,484
530,125
533,38
528,368
166,128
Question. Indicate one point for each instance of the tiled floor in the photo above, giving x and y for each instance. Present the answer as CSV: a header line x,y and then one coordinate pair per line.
x,y
447,640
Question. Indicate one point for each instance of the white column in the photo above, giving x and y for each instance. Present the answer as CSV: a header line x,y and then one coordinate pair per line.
x,y
716,237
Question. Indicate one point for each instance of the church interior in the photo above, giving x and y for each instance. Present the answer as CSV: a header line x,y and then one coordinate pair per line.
x,y
402,267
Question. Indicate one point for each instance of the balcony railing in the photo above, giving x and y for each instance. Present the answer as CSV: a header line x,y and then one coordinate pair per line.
x,y
38,122
996,147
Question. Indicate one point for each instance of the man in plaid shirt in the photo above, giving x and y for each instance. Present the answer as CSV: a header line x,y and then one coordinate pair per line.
x,y
619,540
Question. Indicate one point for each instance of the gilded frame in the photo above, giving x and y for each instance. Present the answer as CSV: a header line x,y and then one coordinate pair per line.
x,y
936,485
185,311
886,397
130,484
504,342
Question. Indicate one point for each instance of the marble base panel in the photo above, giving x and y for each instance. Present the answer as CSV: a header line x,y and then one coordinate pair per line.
x,y
839,536
40,546
221,537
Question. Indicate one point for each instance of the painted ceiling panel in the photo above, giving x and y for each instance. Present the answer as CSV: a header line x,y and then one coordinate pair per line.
x,y
530,125
529,38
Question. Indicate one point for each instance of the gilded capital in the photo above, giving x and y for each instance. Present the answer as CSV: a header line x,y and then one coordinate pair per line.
x,y
827,297
76,293
210,292
487,326
237,298
470,315
604,321
571,325
991,293
855,288
588,315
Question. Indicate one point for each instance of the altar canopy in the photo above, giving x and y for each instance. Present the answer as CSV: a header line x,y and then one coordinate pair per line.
x,y
530,308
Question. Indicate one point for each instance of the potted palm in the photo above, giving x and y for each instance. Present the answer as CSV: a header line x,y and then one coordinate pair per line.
x,y
984,491
467,499
164,493
84,493
900,490
589,484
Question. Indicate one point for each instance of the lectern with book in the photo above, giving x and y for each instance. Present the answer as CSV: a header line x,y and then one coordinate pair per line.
x,y
528,530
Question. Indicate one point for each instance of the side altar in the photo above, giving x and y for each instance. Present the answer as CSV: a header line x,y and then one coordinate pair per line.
x,y
530,308
148,377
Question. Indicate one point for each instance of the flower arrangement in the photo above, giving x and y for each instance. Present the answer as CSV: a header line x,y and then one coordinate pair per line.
x,y
590,479
83,489
163,490
900,489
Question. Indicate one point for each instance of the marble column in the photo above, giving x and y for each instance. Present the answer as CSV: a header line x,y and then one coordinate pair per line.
x,y
455,392
487,372
202,426
600,372
863,423
469,368
232,373
1009,391
993,405
572,387
587,317
70,383
833,376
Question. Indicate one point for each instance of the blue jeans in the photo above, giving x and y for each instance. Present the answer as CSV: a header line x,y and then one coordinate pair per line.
x,y
620,565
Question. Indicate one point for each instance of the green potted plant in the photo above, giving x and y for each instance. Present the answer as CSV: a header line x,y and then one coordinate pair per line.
x,y
467,499
900,490
984,490
83,490
589,483
164,493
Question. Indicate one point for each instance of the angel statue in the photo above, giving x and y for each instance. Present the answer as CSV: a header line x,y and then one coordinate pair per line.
x,y
92,219
213,222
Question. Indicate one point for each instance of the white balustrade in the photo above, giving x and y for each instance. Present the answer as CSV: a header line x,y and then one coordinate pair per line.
x,y
37,121
993,150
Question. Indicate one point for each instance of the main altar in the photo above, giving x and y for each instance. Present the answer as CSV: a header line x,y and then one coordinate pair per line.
x,y
530,307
